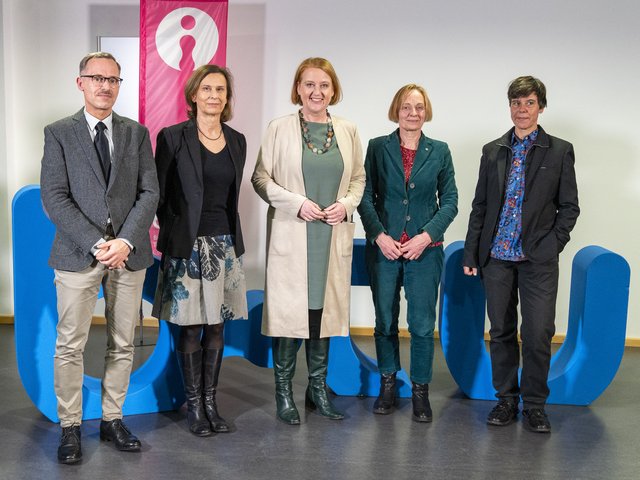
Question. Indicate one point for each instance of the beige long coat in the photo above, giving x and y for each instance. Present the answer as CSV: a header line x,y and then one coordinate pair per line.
x,y
278,179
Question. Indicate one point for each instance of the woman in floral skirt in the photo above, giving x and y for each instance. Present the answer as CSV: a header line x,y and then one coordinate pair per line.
x,y
201,283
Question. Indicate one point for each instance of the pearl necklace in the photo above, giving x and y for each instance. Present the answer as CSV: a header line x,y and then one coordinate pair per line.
x,y
307,140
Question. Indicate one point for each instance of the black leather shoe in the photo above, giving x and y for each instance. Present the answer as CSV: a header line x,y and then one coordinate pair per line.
x,y
117,432
503,413
535,420
69,451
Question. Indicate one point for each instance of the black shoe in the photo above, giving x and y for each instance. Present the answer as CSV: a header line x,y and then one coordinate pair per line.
x,y
117,432
535,420
420,401
69,451
386,400
503,413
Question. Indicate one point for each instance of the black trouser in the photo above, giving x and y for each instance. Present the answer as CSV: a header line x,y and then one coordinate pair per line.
x,y
537,286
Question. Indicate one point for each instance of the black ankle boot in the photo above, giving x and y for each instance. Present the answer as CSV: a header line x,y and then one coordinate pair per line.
x,y
420,400
317,351
285,351
212,361
386,401
191,366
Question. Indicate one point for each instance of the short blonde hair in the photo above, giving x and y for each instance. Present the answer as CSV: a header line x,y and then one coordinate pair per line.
x,y
398,98
324,65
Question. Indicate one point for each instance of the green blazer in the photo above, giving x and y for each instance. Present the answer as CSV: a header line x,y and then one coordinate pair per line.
x,y
428,202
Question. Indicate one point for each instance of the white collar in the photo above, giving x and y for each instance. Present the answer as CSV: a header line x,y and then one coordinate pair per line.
x,y
93,121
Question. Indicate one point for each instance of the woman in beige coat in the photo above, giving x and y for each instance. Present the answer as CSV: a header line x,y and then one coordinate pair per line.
x,y
310,172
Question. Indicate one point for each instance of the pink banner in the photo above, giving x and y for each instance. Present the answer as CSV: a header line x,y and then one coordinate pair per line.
x,y
176,37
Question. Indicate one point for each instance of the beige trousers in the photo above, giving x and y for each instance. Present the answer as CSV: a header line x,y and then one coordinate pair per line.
x,y
77,294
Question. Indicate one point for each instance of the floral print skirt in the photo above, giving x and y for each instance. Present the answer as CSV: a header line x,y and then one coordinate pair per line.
x,y
208,288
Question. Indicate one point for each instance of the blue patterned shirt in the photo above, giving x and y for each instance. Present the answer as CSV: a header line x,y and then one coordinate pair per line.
x,y
507,244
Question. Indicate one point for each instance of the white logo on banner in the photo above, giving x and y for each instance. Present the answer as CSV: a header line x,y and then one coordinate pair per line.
x,y
187,22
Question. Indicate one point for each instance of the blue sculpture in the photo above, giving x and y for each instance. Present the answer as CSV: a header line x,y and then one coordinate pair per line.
x,y
155,386
580,370
588,359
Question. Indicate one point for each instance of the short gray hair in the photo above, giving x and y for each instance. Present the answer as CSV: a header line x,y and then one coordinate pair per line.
x,y
91,56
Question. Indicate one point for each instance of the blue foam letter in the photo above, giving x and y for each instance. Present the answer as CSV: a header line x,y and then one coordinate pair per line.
x,y
591,353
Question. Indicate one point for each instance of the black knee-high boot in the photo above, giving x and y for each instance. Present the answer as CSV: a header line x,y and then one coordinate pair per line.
x,y
317,351
212,361
285,351
191,366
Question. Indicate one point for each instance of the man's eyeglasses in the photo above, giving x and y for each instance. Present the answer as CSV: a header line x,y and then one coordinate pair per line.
x,y
99,80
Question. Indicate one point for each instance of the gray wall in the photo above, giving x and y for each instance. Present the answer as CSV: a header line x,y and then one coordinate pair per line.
x,y
463,52
5,207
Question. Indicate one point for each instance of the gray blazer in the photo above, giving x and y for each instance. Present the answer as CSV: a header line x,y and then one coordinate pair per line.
x,y
79,202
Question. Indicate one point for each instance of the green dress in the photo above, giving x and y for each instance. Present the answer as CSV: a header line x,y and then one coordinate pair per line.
x,y
322,175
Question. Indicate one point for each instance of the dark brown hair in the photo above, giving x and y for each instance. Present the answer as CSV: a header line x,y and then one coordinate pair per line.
x,y
525,86
192,85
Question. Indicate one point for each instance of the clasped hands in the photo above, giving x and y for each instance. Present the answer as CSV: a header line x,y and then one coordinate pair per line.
x,y
113,253
411,250
332,215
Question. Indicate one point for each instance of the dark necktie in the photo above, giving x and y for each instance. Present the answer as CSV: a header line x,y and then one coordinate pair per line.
x,y
102,147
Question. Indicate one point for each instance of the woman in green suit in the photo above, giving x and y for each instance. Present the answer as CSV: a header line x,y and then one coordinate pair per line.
x,y
410,198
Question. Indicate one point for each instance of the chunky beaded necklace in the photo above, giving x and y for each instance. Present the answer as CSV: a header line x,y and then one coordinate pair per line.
x,y
307,140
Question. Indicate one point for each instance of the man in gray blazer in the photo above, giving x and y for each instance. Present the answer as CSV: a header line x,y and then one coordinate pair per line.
x,y
99,187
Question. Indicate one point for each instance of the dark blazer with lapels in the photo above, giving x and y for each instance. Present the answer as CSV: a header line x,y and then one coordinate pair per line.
x,y
550,207
78,200
428,202
179,165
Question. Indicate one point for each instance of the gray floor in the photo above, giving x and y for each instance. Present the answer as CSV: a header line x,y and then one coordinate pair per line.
x,y
596,442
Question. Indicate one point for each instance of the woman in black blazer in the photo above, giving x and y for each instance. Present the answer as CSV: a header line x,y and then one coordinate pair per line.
x,y
201,282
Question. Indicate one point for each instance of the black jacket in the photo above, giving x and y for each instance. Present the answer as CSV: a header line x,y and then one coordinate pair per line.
x,y
550,206
179,165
